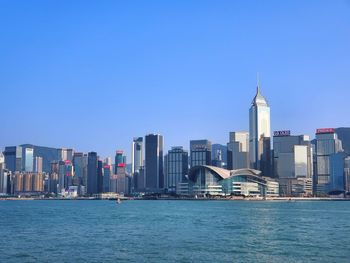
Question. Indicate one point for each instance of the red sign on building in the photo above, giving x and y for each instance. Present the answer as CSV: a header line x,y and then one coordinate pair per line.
x,y
325,130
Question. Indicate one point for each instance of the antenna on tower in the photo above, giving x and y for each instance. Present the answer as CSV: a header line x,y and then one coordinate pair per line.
x,y
258,82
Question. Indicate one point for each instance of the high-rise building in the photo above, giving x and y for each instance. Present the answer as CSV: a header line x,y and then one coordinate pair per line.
x,y
200,152
99,176
27,159
92,178
238,151
154,162
65,154
176,167
343,134
219,155
293,164
38,164
327,143
122,180
118,159
13,158
136,154
107,172
48,154
347,174
259,134
337,178
80,170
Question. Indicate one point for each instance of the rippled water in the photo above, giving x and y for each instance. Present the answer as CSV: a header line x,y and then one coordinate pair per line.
x,y
174,231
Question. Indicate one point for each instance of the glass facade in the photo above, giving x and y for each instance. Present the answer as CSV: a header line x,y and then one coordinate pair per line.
x,y
154,162
326,144
259,130
177,167
200,152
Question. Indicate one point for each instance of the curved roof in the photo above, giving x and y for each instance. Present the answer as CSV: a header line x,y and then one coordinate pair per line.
x,y
224,173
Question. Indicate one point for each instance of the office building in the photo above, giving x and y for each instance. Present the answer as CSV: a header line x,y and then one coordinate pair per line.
x,y
176,168
99,176
347,175
13,158
327,143
118,159
337,184
259,134
238,151
136,154
293,165
219,155
343,134
154,162
48,154
200,152
65,154
92,179
107,172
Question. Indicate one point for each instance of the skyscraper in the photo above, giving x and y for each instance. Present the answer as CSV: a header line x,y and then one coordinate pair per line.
x,y
136,154
13,158
99,176
259,134
27,159
200,152
293,164
177,167
154,162
238,151
92,173
327,143
118,159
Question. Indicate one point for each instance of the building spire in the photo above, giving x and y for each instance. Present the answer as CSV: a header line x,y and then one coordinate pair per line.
x,y
258,83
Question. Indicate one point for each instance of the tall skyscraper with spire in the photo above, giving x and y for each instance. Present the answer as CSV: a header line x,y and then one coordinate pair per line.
x,y
259,134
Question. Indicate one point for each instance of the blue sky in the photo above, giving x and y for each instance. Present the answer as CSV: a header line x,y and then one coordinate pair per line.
x,y
94,74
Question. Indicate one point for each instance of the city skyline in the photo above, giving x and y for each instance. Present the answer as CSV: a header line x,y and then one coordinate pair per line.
x,y
67,93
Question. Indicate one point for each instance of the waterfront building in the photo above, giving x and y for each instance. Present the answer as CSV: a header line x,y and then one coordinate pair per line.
x,y
259,134
219,155
347,174
176,168
139,180
118,159
2,161
293,163
337,180
238,151
27,159
136,154
200,152
48,154
99,176
92,177
53,177
327,143
122,180
154,162
38,164
107,171
80,171
13,158
205,180
5,181
65,154
343,134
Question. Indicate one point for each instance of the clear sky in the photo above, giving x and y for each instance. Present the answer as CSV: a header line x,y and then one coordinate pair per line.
x,y
92,75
